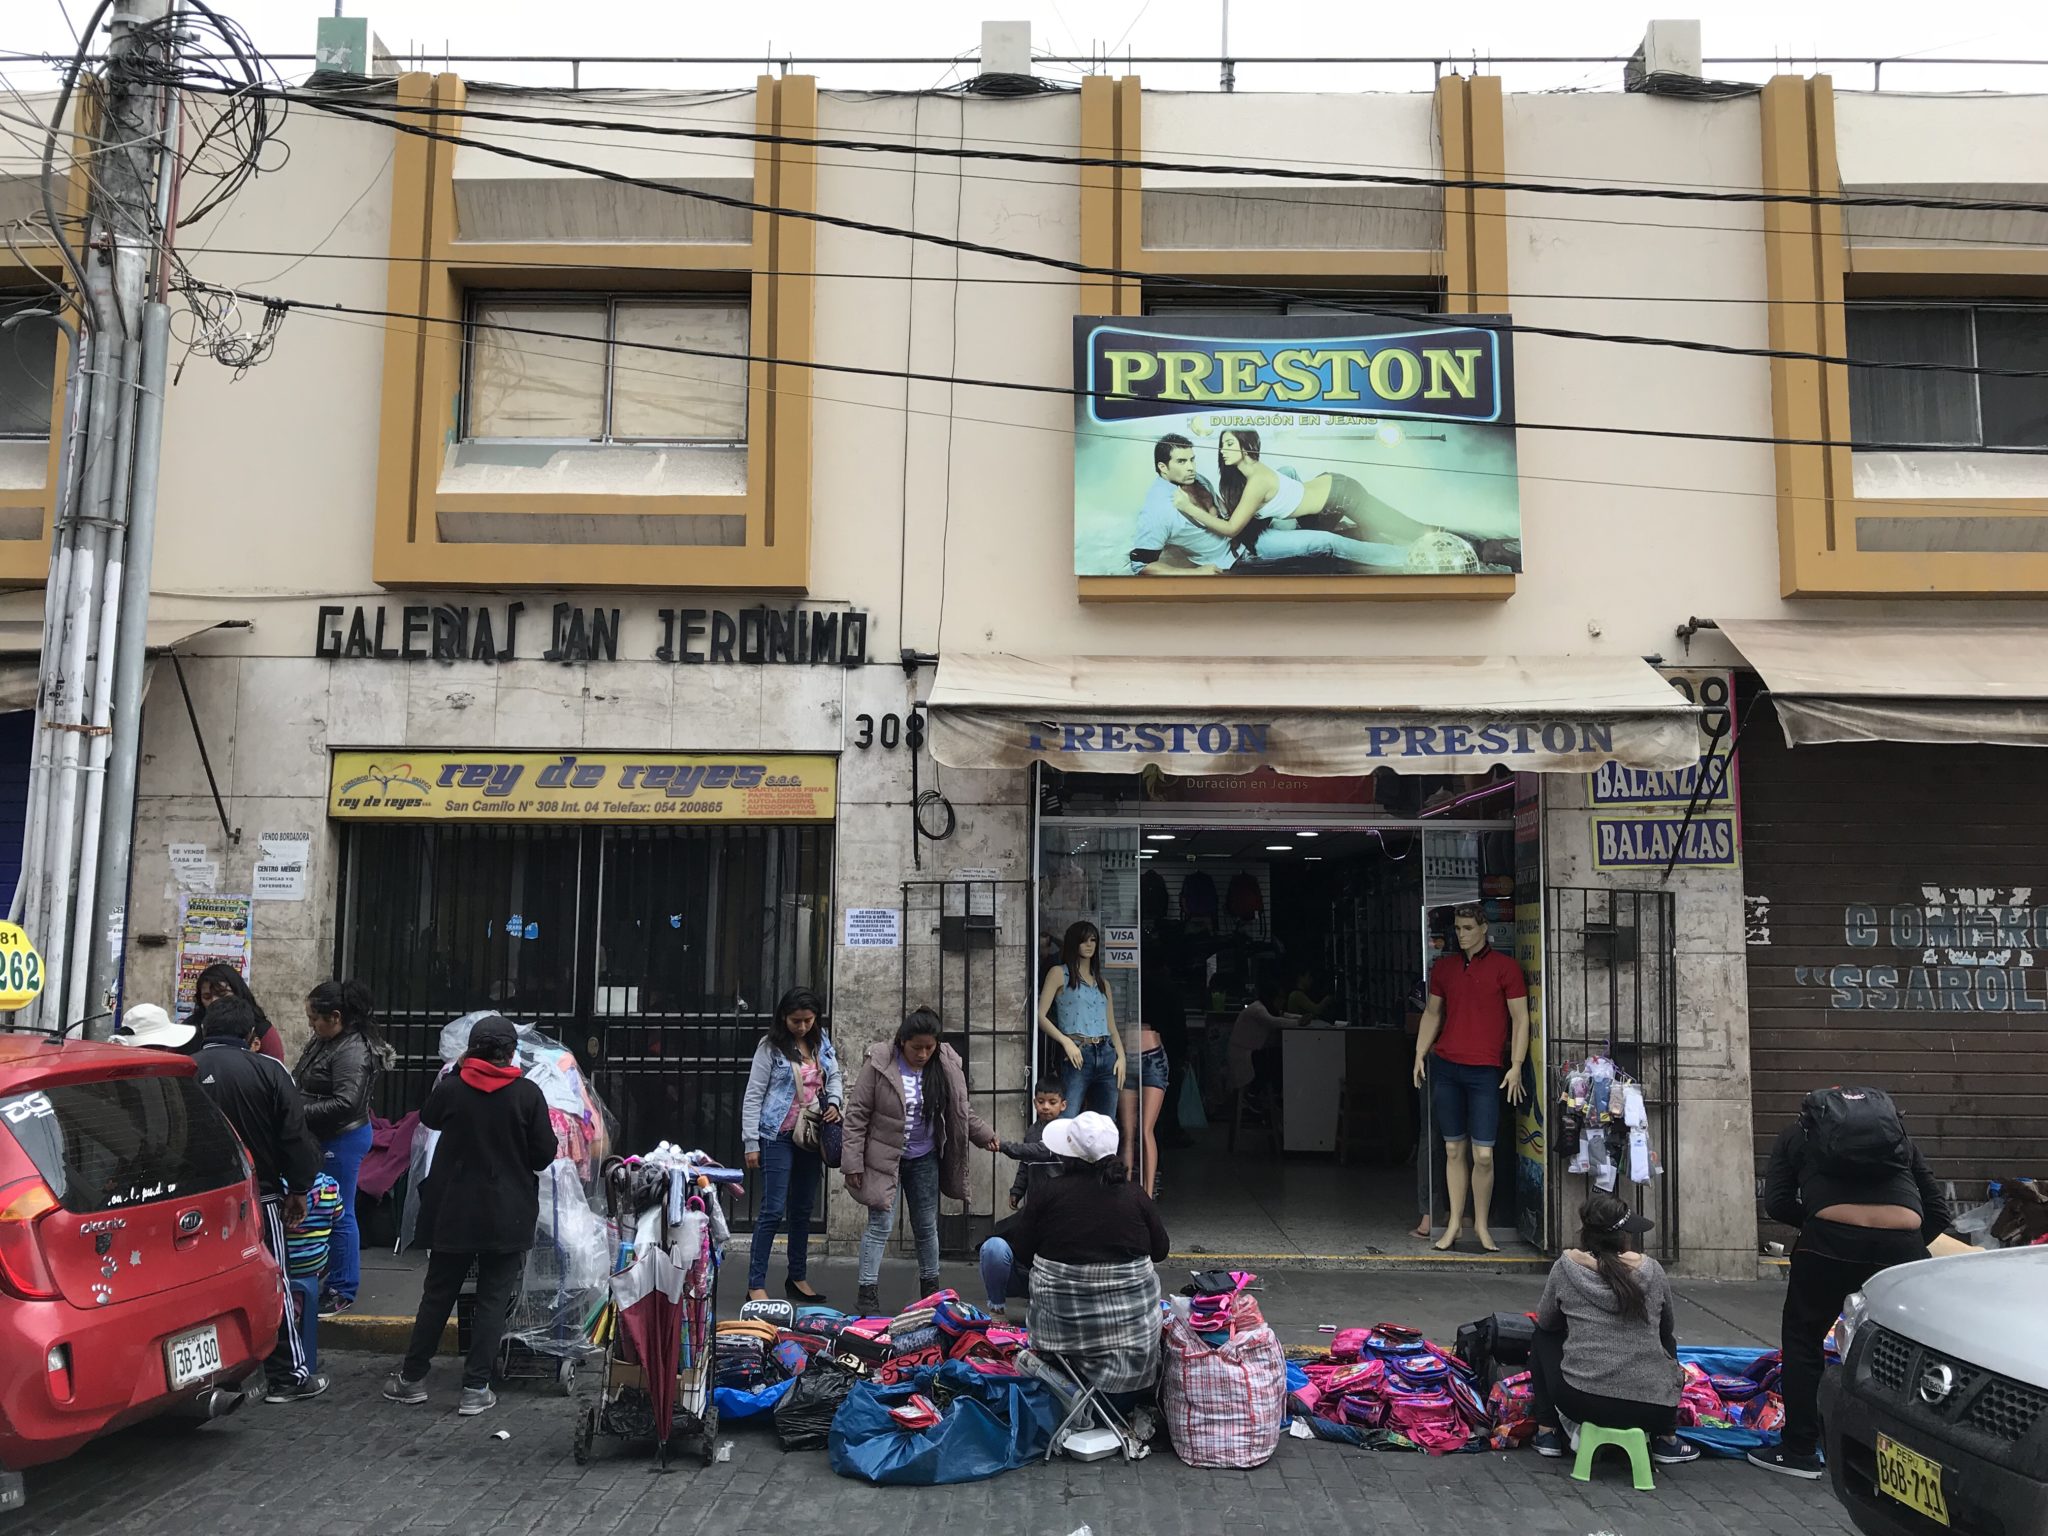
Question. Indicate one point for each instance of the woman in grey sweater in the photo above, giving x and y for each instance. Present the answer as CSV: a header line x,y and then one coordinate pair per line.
x,y
1606,1349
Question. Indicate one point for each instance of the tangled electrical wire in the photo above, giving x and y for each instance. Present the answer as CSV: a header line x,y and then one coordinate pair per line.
x,y
196,51
217,329
202,50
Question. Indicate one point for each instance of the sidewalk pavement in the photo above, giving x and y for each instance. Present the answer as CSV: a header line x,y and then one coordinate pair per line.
x,y
350,1464
1436,1299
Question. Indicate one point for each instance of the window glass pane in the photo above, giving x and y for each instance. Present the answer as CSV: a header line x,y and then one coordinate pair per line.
x,y
678,396
1889,406
2015,410
537,386
124,1141
28,371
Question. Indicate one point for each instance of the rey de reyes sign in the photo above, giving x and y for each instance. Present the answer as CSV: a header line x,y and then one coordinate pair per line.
x,y
580,787
1375,447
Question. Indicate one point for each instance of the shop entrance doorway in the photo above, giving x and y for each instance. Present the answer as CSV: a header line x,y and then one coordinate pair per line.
x,y
1298,1139
654,952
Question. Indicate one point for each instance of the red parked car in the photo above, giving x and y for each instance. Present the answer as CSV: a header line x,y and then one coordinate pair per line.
x,y
133,1276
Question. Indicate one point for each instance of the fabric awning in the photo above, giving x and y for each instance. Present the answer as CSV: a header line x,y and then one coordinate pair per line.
x,y
21,651
1836,680
1308,714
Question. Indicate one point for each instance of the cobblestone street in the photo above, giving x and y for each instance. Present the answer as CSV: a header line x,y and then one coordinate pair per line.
x,y
350,1464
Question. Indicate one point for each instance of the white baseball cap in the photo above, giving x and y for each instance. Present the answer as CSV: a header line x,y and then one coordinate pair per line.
x,y
148,1024
1087,1137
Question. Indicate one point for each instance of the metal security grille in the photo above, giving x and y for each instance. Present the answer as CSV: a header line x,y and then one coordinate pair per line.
x,y
655,953
963,956
440,920
699,930
1896,939
1610,988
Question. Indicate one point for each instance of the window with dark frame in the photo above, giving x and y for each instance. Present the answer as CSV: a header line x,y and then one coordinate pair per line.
x,y
1939,410
28,367
624,368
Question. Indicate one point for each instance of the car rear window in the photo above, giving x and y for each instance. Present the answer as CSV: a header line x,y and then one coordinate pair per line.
x,y
125,1141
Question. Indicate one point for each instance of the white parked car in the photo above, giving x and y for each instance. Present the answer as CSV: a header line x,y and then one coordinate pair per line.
x,y
1938,1419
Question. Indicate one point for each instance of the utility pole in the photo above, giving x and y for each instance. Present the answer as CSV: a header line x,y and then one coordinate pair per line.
x,y
82,795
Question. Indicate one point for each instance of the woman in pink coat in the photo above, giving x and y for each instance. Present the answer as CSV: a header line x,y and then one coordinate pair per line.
x,y
908,1123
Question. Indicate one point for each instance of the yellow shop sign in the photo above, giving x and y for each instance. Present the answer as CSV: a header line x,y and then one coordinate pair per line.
x,y
580,786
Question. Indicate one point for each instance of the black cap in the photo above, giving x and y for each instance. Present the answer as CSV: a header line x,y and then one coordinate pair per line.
x,y
493,1035
1634,1221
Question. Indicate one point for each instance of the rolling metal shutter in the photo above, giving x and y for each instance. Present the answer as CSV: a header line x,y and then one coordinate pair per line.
x,y
1897,916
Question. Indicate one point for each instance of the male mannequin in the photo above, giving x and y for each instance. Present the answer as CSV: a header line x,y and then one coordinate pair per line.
x,y
1476,1022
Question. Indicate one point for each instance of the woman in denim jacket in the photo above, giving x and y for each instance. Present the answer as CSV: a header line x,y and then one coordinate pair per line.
x,y
795,1069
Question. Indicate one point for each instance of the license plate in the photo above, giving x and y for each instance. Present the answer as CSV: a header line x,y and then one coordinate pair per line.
x,y
193,1356
1910,1478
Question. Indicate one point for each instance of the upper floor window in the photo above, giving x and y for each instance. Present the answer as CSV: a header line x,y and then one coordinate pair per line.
x,y
28,367
572,368
1189,299
1947,410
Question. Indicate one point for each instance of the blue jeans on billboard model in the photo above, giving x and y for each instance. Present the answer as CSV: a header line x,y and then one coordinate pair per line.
x,y
1281,543
341,1160
789,1186
1093,1084
917,1187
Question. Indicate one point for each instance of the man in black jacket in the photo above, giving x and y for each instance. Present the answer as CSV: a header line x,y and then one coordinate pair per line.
x,y
262,1103
1847,1176
478,1207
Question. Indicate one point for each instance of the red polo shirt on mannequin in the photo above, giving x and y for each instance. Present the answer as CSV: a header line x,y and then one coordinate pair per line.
x,y
1475,991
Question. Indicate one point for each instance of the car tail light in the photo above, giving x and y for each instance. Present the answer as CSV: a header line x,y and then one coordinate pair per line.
x,y
24,1269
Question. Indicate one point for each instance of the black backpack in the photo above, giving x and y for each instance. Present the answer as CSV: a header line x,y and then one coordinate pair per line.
x,y
1854,1132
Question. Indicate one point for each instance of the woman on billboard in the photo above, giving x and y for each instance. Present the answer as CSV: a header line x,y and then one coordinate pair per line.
x,y
1256,497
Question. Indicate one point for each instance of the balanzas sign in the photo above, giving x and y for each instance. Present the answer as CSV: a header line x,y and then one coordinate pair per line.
x,y
762,636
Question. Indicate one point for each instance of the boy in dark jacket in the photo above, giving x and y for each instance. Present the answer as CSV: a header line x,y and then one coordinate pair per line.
x,y
260,1100
478,1207
1036,1163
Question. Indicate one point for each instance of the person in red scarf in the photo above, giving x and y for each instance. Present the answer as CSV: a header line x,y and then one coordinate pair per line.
x,y
479,1206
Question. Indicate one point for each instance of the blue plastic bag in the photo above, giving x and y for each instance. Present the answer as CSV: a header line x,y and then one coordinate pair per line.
x,y
992,1423
738,1403
1731,1442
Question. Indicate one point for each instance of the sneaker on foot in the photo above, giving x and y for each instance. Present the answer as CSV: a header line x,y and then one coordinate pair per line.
x,y
476,1400
1775,1458
1551,1443
333,1306
398,1390
1673,1452
998,1313
296,1391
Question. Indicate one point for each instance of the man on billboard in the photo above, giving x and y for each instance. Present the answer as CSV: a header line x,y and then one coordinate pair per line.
x,y
1173,517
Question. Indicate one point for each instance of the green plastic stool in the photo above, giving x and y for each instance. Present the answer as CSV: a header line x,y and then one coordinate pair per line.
x,y
1633,1441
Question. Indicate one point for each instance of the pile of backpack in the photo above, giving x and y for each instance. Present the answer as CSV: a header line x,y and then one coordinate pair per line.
x,y
1389,1388
762,1357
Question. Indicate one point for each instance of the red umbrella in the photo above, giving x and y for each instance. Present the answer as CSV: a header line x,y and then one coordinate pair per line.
x,y
649,1295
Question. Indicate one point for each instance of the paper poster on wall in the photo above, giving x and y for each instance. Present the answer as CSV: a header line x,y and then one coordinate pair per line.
x,y
192,870
981,890
281,867
212,930
874,928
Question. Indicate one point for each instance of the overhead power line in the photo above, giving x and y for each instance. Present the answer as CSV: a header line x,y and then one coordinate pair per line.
x,y
272,302
1085,269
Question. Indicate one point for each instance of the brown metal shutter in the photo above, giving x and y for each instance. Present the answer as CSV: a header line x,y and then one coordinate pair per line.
x,y
1897,915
